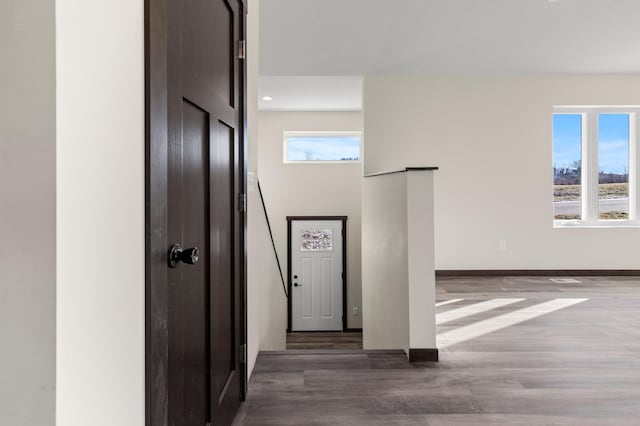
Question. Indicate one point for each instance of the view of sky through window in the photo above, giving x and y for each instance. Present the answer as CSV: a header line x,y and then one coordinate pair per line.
x,y
323,147
613,143
567,140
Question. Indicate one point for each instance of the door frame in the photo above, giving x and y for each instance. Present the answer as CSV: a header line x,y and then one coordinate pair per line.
x,y
157,336
343,219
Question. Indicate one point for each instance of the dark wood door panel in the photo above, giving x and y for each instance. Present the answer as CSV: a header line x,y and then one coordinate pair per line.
x,y
195,288
223,319
196,161
208,100
210,36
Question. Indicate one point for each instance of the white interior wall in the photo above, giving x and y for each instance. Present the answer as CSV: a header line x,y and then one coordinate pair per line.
x,y
385,296
27,213
266,304
100,213
253,285
312,189
266,315
421,275
491,138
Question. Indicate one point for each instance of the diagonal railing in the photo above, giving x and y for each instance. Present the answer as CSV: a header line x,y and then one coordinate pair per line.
x,y
266,216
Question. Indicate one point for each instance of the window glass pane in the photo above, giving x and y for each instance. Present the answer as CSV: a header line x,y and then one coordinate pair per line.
x,y
323,148
567,166
316,240
613,166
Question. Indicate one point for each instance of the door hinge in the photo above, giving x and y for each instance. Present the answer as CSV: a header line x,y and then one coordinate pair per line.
x,y
243,354
242,49
242,202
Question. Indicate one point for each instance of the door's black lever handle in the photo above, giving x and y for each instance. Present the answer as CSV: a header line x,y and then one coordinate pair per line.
x,y
177,254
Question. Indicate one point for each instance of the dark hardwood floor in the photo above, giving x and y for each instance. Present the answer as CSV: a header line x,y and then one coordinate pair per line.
x,y
324,340
514,351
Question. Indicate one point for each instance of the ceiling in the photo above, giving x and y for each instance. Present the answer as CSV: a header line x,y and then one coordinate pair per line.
x,y
311,93
326,38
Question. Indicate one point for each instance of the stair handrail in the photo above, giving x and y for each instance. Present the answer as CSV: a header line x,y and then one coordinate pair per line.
x,y
266,216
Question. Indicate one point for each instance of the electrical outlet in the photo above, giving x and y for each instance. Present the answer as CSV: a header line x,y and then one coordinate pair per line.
x,y
356,311
502,245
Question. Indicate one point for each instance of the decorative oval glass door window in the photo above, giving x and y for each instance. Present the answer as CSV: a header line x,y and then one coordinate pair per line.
x,y
316,240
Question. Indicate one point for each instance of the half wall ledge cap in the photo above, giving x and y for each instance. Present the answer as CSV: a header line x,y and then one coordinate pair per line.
x,y
406,169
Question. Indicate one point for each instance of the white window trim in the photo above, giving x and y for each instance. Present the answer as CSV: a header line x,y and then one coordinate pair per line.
x,y
288,134
589,178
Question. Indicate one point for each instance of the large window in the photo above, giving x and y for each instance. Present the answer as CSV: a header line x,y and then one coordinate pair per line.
x,y
594,166
305,147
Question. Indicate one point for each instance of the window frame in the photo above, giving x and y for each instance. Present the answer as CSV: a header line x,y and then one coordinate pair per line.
x,y
590,170
291,133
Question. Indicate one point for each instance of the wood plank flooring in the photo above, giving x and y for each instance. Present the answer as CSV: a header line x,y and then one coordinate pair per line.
x,y
577,365
324,340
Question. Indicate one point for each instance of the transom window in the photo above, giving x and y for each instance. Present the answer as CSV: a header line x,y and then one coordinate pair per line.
x,y
321,147
595,164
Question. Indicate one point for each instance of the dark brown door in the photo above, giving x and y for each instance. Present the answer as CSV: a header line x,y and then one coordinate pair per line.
x,y
203,178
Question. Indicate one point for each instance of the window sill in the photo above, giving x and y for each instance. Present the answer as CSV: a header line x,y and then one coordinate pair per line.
x,y
569,224
323,162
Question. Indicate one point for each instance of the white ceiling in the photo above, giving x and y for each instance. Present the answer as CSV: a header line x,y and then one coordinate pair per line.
x,y
357,37
311,93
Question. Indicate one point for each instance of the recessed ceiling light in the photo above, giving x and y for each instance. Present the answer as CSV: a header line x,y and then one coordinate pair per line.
x,y
267,98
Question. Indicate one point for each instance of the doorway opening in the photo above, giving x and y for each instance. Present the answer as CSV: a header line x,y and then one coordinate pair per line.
x,y
316,259
317,284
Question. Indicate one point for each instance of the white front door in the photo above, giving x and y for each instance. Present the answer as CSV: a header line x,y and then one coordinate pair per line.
x,y
316,275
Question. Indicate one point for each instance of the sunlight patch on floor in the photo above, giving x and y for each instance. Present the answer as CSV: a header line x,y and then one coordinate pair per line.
x,y
481,328
565,281
476,308
446,302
